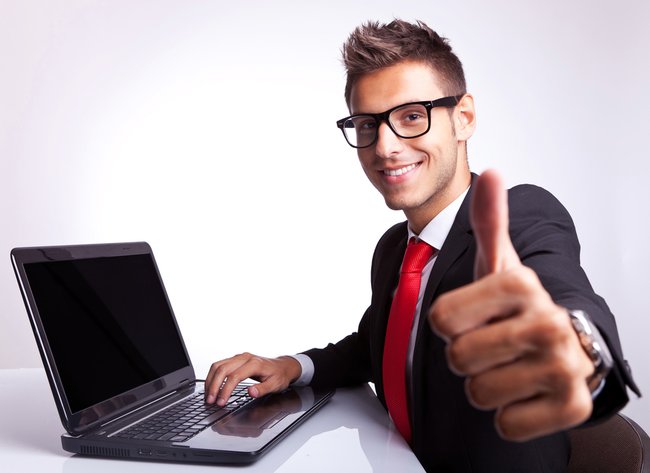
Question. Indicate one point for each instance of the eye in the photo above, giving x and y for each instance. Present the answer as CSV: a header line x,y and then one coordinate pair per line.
x,y
365,124
409,116
413,116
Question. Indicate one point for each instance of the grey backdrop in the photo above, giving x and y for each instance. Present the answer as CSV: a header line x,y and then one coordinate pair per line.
x,y
207,129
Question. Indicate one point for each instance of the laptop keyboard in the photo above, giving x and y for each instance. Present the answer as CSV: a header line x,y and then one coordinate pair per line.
x,y
185,419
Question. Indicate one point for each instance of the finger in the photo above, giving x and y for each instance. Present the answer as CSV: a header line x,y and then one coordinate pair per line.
x,y
488,347
544,415
504,385
530,377
269,385
219,372
490,298
489,220
211,378
213,381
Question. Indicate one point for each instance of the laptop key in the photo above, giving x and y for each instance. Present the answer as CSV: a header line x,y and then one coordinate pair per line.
x,y
211,419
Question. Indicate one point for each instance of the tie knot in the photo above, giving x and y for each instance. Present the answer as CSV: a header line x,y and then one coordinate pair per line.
x,y
416,256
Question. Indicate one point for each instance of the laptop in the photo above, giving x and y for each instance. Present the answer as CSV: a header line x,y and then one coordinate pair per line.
x,y
118,368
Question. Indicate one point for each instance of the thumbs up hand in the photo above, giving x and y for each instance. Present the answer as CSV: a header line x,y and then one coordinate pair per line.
x,y
516,347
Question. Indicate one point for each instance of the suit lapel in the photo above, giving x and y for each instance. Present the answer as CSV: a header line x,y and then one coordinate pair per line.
x,y
387,274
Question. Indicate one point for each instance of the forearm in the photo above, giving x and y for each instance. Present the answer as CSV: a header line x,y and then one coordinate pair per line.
x,y
340,364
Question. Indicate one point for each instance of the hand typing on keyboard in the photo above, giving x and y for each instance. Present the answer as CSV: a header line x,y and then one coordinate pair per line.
x,y
273,374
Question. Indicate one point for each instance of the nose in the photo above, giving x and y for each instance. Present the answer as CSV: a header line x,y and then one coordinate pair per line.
x,y
388,143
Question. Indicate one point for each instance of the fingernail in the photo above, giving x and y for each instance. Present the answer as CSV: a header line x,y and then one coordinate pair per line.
x,y
221,402
253,391
210,398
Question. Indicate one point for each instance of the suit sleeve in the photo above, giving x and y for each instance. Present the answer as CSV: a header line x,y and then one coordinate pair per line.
x,y
344,363
349,361
544,235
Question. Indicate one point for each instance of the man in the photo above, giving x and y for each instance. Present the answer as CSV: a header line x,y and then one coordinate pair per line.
x,y
512,353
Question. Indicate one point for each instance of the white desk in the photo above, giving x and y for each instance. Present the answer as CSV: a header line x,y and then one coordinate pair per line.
x,y
351,433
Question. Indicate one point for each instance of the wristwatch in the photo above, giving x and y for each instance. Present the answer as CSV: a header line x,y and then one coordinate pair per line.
x,y
595,348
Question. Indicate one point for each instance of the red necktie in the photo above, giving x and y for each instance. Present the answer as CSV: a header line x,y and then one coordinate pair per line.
x,y
398,332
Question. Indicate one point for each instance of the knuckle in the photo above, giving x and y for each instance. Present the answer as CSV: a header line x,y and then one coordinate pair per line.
x,y
529,278
234,378
511,426
551,327
456,358
563,379
221,371
577,407
521,280
557,377
258,360
439,315
214,369
510,336
255,364
504,426
476,393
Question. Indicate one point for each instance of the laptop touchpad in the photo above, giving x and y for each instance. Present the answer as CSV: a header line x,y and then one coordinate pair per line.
x,y
264,414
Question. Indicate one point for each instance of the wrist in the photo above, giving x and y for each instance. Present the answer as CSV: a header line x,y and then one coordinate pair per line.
x,y
595,348
292,368
306,369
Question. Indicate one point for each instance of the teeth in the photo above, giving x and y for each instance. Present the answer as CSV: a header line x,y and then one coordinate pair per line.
x,y
400,171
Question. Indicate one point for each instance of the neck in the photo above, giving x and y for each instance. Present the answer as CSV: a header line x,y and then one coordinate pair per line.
x,y
420,217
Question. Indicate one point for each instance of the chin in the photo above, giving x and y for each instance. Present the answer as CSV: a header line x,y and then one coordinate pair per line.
x,y
395,205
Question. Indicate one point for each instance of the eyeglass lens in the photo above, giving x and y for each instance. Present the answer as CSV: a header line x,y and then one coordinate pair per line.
x,y
408,121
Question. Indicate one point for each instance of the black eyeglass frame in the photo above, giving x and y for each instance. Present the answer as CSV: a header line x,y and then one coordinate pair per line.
x,y
450,101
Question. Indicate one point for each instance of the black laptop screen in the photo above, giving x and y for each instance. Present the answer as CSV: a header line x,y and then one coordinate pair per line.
x,y
119,305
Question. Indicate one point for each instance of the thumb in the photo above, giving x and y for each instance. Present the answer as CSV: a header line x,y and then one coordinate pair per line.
x,y
269,385
489,220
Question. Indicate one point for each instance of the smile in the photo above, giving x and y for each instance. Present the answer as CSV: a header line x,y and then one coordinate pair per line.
x,y
400,171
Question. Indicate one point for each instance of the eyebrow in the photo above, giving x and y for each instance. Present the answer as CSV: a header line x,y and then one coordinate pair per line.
x,y
388,108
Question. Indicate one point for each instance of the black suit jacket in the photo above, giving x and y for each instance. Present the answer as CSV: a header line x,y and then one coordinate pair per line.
x,y
448,433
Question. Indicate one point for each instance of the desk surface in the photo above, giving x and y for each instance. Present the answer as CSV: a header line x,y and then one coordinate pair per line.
x,y
351,433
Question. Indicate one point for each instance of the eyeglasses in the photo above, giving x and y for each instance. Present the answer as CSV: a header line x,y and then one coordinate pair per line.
x,y
409,120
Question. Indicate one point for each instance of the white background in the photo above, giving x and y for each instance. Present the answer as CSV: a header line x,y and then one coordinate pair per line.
x,y
208,130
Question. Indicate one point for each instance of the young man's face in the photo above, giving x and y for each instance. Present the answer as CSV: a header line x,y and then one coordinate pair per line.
x,y
420,176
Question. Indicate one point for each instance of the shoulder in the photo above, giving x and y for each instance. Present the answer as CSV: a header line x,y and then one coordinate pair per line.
x,y
539,222
390,240
392,237
527,201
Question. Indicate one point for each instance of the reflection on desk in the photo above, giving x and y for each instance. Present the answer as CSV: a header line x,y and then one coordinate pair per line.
x,y
351,433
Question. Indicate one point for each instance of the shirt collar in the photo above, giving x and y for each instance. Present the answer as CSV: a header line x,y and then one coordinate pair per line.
x,y
436,231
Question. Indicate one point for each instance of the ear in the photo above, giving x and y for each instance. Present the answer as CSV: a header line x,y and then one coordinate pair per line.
x,y
465,118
